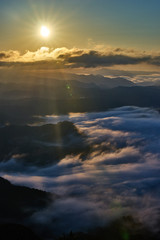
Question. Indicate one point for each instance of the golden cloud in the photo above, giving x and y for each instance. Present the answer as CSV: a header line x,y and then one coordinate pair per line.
x,y
76,58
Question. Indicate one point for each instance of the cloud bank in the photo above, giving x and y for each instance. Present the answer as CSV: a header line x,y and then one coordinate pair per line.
x,y
78,58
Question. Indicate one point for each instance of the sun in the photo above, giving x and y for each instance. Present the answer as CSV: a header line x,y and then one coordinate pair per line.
x,y
45,32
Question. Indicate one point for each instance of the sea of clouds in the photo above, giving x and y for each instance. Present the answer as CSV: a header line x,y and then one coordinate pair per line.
x,y
119,176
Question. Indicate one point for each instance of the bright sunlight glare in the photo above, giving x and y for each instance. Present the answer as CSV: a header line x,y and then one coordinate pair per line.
x,y
45,32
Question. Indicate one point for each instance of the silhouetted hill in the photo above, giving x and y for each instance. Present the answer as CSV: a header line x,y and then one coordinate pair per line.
x,y
18,202
21,111
105,82
41,145
60,87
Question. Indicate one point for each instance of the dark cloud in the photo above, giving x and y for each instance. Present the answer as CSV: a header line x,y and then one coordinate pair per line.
x,y
2,55
155,60
95,59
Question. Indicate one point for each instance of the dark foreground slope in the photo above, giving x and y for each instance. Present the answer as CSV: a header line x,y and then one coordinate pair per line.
x,y
125,228
17,232
17,205
18,202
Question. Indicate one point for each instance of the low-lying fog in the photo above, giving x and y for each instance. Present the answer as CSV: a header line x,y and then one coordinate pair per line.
x,y
120,175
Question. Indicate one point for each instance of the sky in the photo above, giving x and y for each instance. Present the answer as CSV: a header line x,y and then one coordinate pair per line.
x,y
105,26
119,23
